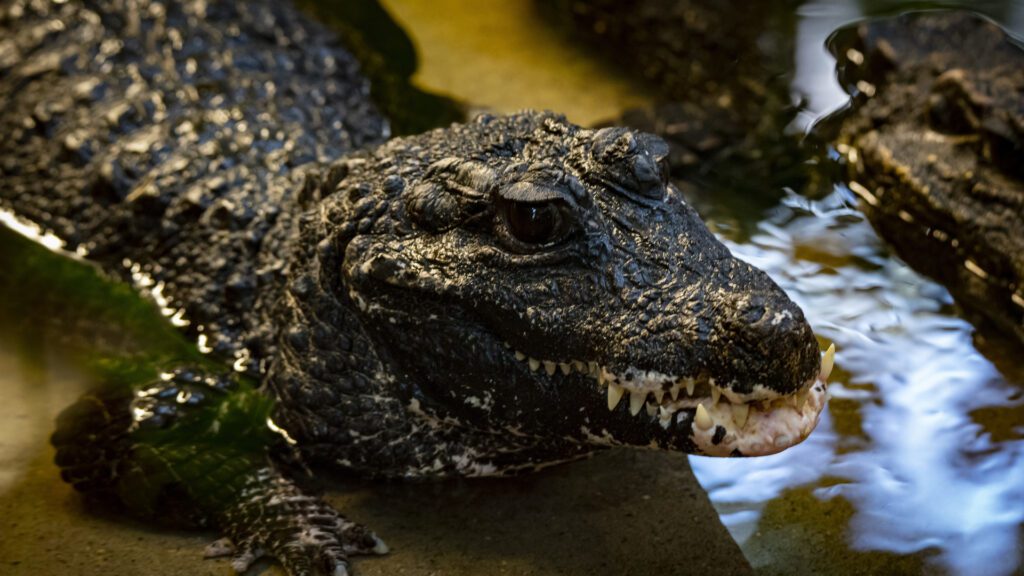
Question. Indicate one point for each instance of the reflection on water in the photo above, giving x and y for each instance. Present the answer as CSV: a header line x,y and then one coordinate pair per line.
x,y
922,472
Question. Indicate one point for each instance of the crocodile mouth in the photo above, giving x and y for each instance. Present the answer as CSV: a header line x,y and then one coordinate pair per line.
x,y
721,421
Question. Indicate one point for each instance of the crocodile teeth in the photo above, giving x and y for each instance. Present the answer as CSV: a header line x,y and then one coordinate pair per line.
x,y
665,417
579,366
675,392
827,362
690,385
595,369
550,367
651,410
636,402
659,395
702,419
534,364
565,368
520,356
716,395
614,395
739,414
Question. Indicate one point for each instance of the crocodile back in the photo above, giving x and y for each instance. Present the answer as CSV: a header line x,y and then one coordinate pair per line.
x,y
165,139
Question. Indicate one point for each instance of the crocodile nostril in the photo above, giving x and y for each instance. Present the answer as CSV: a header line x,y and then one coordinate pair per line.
x,y
765,338
773,347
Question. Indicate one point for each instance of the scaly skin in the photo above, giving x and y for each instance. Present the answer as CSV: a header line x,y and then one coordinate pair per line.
x,y
481,300
933,143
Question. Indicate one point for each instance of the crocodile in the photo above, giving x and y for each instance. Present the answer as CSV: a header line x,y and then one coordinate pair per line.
x,y
724,99
484,299
932,144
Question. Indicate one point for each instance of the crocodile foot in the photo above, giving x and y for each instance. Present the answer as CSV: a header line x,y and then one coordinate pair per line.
x,y
306,535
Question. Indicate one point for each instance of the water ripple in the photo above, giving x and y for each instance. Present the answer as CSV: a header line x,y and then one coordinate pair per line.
x,y
915,458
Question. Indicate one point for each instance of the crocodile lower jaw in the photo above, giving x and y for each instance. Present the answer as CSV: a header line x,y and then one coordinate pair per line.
x,y
723,422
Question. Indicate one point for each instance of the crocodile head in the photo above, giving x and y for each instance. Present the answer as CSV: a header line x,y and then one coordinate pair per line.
x,y
933,144
538,280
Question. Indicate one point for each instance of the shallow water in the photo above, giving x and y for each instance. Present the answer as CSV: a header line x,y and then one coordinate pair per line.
x,y
915,468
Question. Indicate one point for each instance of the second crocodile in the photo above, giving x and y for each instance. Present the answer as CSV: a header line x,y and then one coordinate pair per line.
x,y
933,142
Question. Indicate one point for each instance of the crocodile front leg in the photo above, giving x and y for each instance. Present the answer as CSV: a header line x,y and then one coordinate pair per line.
x,y
194,449
275,518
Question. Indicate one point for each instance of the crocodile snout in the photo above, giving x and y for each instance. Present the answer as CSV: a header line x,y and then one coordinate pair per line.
x,y
761,337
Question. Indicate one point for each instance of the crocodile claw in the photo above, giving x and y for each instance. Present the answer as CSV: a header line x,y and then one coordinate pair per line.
x,y
304,533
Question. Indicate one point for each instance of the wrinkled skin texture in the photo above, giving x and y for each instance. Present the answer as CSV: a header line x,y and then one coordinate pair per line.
x,y
725,98
934,146
382,298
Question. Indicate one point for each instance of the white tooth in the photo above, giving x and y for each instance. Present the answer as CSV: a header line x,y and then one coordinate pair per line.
x,y
549,367
595,370
520,356
690,385
674,392
716,394
659,394
827,362
636,402
702,419
665,416
614,395
534,364
565,368
739,414
507,345
651,410
579,366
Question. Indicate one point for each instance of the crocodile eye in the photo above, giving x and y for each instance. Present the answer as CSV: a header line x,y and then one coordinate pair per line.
x,y
534,224
952,107
950,115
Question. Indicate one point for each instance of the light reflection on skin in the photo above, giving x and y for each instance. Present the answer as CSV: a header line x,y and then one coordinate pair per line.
x,y
928,476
